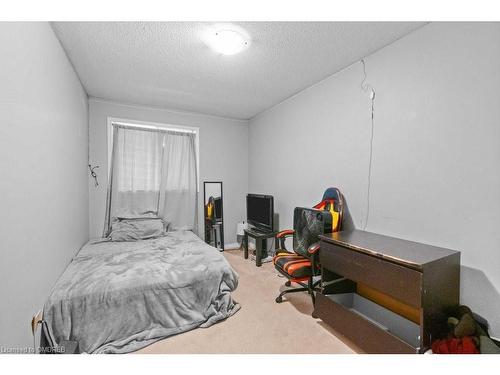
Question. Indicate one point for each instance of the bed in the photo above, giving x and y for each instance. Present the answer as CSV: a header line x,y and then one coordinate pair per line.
x,y
117,297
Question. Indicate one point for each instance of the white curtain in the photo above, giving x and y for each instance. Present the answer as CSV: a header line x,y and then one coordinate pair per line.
x,y
178,198
136,172
153,172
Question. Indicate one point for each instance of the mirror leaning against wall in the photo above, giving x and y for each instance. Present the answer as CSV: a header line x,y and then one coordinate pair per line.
x,y
213,213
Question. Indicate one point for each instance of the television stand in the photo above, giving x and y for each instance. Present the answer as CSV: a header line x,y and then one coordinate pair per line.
x,y
261,238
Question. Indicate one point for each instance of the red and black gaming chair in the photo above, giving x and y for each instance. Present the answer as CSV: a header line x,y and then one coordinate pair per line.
x,y
302,265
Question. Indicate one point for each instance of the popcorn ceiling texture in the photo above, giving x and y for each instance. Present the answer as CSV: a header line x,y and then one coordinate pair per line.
x,y
168,64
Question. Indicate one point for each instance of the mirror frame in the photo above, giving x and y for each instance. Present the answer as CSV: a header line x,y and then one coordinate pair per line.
x,y
221,209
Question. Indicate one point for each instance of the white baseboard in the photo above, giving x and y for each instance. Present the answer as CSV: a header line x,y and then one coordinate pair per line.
x,y
232,246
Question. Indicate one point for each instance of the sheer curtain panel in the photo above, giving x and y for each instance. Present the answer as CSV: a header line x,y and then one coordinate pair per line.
x,y
179,181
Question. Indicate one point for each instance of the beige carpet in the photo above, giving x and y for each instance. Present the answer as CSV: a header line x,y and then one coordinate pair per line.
x,y
261,325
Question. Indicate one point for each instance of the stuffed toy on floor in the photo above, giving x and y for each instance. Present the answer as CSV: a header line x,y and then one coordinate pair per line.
x,y
463,335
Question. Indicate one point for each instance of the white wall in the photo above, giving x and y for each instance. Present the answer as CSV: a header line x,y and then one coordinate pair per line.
x,y
223,157
436,151
43,168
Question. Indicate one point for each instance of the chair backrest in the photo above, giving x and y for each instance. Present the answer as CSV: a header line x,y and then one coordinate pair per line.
x,y
333,201
310,223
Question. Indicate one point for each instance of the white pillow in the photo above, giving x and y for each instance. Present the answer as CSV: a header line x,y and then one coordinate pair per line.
x,y
137,229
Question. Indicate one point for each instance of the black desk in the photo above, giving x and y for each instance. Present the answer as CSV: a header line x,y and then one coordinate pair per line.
x,y
260,243
382,292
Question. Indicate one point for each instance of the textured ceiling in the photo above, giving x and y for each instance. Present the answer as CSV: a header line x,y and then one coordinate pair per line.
x,y
168,64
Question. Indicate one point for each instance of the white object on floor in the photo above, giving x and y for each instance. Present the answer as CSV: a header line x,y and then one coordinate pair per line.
x,y
264,260
240,228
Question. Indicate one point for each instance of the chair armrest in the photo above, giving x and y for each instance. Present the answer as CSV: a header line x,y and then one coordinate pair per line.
x,y
313,252
281,237
285,233
313,249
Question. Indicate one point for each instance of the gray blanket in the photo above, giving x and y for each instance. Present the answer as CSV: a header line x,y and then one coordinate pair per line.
x,y
117,297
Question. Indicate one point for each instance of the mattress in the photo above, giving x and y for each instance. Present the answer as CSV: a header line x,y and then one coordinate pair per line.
x,y
117,297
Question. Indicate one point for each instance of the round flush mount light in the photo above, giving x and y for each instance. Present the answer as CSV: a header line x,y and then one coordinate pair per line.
x,y
227,41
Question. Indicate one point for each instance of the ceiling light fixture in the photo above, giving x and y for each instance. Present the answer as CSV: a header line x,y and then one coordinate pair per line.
x,y
227,42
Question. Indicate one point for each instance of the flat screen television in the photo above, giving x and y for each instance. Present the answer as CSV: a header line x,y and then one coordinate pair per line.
x,y
260,211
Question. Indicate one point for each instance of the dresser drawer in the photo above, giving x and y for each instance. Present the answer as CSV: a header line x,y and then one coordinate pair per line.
x,y
366,333
402,283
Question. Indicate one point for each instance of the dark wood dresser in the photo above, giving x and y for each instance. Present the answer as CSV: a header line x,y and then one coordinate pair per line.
x,y
383,292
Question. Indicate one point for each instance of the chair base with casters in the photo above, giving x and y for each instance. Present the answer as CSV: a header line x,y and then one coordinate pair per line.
x,y
302,265
310,287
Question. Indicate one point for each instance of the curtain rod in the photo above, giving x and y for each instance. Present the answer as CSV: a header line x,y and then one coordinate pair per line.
x,y
152,128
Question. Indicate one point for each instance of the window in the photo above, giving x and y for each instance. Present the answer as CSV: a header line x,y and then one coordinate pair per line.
x,y
143,167
140,160
153,168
